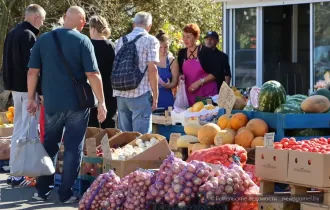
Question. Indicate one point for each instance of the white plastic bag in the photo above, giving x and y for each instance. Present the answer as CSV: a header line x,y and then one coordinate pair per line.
x,y
181,101
31,159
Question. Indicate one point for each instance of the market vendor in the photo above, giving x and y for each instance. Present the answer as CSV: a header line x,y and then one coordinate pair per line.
x,y
168,72
197,66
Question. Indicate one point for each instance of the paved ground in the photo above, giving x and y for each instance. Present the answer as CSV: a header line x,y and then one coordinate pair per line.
x,y
20,198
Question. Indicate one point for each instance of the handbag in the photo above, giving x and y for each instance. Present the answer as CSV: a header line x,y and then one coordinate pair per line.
x,y
83,90
30,158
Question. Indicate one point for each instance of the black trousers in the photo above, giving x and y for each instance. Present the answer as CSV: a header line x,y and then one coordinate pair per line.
x,y
111,104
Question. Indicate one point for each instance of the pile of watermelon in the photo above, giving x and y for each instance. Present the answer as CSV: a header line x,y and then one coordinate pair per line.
x,y
272,98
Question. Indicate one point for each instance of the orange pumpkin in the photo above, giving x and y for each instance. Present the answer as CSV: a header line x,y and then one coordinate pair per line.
x,y
244,138
238,121
258,127
223,121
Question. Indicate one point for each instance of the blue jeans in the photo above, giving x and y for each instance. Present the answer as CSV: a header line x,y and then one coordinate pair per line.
x,y
134,114
75,123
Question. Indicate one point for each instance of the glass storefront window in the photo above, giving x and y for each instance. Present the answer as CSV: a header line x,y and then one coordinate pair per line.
x,y
245,47
321,41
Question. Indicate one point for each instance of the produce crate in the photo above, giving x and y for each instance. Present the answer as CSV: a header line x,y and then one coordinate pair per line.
x,y
91,166
281,123
298,194
79,186
2,164
167,130
190,207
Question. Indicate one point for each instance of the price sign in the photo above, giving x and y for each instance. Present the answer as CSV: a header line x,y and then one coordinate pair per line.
x,y
269,140
173,140
227,98
106,148
91,147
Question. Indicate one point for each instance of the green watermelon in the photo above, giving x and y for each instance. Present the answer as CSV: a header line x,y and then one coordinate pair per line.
x,y
249,108
323,92
296,99
272,95
289,109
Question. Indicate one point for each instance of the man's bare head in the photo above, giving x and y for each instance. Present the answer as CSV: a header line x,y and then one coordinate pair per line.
x,y
35,15
75,18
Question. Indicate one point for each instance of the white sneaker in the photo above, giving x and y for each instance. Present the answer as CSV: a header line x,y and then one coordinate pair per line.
x,y
72,199
37,197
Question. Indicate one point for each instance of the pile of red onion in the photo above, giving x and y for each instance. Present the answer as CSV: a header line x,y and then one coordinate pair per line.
x,y
118,196
99,191
170,168
225,182
186,184
139,182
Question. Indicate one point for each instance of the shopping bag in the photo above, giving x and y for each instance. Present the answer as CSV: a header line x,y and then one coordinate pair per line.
x,y
30,158
181,101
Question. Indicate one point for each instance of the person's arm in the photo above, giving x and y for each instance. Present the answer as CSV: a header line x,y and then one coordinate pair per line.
x,y
153,59
34,66
227,71
175,73
94,77
27,41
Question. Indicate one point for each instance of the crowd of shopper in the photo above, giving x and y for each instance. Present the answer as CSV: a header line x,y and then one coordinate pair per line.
x,y
132,78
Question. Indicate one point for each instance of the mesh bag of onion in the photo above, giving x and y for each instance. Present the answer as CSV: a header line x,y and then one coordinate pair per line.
x,y
100,189
185,185
250,169
226,155
117,197
170,168
227,184
139,182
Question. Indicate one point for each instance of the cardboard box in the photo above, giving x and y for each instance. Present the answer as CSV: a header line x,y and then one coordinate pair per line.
x,y
313,206
196,146
278,206
271,163
95,141
5,132
3,117
90,132
151,158
309,168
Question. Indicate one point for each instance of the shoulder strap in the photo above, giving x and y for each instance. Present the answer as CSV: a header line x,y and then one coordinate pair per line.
x,y
137,38
60,53
125,40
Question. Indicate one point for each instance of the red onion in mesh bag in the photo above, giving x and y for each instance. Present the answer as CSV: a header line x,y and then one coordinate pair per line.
x,y
117,197
99,191
170,168
225,184
185,186
139,182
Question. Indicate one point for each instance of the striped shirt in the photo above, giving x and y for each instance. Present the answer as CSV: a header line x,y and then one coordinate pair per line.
x,y
148,51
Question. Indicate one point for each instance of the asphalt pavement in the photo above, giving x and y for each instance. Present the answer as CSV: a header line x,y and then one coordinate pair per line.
x,y
20,198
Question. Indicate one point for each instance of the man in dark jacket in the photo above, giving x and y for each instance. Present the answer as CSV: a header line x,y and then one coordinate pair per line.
x,y
211,40
17,47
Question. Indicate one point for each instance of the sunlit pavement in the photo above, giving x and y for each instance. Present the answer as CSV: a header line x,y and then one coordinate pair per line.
x,y
20,198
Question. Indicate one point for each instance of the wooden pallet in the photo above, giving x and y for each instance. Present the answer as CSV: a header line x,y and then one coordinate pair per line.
x,y
267,186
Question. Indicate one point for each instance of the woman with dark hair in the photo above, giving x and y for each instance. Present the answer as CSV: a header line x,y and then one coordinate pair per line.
x,y
168,72
104,51
197,66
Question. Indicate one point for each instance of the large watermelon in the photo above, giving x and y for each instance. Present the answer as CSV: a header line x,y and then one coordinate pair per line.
x,y
295,99
272,95
289,109
323,92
